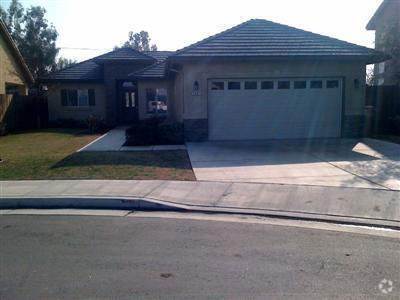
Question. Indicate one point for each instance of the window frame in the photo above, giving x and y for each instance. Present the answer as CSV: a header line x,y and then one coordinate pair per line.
x,y
272,86
279,87
303,85
251,82
70,98
217,83
316,87
330,81
157,93
234,89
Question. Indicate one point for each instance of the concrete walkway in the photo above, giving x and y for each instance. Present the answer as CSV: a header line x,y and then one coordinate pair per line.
x,y
361,206
114,140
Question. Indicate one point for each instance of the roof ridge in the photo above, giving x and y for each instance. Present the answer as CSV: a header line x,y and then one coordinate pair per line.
x,y
211,37
123,48
311,32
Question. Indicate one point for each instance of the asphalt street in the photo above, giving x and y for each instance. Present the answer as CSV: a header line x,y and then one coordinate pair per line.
x,y
82,257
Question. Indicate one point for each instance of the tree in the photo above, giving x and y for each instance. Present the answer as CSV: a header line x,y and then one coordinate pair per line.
x,y
139,41
34,36
63,63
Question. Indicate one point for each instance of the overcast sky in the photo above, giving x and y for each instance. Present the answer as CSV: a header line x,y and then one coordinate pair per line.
x,y
173,24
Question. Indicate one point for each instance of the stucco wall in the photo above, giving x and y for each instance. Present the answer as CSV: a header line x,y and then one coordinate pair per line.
x,y
10,71
173,113
195,107
57,111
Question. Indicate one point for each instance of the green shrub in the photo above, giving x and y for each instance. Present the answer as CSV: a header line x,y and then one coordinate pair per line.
x,y
154,131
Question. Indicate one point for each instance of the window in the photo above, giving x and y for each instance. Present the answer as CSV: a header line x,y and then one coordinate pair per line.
x,y
157,100
381,81
234,85
300,84
316,84
130,99
267,85
332,84
250,85
283,85
78,98
381,68
83,98
217,85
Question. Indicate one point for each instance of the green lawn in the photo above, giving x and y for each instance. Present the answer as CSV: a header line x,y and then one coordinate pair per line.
x,y
50,154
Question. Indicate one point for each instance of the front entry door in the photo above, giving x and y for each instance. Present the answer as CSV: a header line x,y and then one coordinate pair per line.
x,y
129,102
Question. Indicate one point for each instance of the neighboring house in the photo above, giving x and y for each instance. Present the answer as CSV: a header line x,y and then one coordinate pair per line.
x,y
15,76
257,80
385,21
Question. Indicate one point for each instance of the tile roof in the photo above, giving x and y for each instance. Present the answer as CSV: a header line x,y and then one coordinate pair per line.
x,y
125,53
92,70
262,38
159,55
85,71
157,70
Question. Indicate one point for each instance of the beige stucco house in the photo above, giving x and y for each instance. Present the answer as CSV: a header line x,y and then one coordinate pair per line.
x,y
386,24
257,80
14,73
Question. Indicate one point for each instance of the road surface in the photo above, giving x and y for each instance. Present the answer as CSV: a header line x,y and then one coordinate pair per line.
x,y
81,257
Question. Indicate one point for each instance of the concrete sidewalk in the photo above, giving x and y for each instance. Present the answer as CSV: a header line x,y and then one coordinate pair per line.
x,y
350,205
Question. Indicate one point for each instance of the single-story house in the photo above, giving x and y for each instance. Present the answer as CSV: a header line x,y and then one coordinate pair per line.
x,y
257,80
15,76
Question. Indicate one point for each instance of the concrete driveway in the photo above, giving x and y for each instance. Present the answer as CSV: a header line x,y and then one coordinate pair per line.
x,y
365,163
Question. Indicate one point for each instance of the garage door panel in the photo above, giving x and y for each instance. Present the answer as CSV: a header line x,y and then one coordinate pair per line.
x,y
274,113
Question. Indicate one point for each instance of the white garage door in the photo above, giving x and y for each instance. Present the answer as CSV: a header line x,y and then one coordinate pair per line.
x,y
250,109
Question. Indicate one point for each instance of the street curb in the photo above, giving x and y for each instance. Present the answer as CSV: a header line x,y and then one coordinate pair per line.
x,y
134,203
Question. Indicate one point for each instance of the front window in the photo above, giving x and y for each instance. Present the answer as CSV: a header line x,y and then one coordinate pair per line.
x,y
157,100
78,97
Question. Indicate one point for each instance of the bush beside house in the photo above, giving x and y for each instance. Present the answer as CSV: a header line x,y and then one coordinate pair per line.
x,y
154,131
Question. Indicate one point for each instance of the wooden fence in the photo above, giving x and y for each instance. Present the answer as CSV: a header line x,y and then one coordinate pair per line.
x,y
384,101
23,112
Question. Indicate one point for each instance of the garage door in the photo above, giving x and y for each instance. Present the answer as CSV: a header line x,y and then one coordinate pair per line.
x,y
281,108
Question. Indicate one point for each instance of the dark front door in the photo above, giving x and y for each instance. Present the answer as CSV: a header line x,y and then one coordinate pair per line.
x,y
128,102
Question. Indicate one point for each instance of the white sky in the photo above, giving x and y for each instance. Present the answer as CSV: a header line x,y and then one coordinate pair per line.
x,y
173,24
